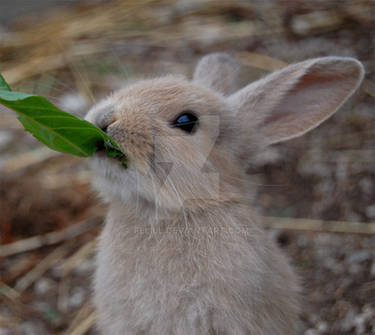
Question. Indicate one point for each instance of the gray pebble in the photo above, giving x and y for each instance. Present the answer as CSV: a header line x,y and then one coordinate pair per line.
x,y
358,256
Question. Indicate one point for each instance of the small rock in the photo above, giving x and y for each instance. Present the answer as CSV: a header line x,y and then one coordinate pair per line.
x,y
331,264
30,328
358,257
303,241
360,324
77,297
85,267
41,306
306,24
372,270
311,332
355,268
346,282
348,323
42,286
370,211
368,312
322,326
314,318
315,168
57,270
366,185
269,156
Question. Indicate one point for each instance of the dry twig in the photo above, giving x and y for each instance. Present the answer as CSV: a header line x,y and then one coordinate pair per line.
x,y
38,65
320,225
39,241
369,87
8,292
84,325
32,276
19,267
27,159
77,258
84,312
63,295
260,61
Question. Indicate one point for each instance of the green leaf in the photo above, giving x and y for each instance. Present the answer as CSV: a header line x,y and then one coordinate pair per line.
x,y
55,128
3,84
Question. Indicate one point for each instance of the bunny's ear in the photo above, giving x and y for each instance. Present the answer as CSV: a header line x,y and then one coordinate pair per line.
x,y
217,71
294,100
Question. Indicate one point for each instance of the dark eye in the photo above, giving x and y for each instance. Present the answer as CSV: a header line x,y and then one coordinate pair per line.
x,y
186,121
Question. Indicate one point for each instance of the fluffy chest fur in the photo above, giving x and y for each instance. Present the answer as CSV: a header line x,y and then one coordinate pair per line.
x,y
208,277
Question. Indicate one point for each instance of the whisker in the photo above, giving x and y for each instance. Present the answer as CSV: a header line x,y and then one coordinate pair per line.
x,y
137,192
248,181
180,201
156,199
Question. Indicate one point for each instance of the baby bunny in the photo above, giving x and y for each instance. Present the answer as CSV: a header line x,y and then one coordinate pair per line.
x,y
181,252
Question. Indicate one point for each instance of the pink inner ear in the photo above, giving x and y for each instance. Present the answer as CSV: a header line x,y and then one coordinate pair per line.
x,y
316,77
315,97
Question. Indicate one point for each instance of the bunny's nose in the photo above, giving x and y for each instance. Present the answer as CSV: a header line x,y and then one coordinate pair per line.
x,y
104,120
104,128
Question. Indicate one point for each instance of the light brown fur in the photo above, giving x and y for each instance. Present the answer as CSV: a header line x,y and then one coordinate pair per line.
x,y
181,252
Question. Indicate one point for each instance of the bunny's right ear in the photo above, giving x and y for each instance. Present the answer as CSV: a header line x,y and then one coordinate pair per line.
x,y
294,100
217,71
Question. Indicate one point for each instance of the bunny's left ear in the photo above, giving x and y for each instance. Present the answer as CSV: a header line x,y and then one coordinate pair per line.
x,y
217,71
294,100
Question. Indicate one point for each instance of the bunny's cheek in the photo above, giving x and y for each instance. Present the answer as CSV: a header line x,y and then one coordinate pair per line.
x,y
105,166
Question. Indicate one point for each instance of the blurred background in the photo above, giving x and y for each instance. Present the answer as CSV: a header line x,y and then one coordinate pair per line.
x,y
321,187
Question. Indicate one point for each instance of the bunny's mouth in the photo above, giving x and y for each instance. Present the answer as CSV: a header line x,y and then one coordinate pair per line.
x,y
103,154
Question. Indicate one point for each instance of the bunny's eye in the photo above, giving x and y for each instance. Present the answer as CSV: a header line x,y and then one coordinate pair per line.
x,y
186,121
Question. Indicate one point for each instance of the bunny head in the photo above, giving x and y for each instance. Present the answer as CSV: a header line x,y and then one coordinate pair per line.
x,y
188,142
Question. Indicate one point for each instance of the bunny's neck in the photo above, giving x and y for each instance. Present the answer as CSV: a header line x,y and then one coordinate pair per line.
x,y
140,212
125,224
